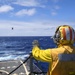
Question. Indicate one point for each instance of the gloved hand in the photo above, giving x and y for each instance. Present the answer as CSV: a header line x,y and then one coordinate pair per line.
x,y
35,43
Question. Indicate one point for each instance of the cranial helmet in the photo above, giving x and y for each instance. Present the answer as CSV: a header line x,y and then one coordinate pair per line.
x,y
64,34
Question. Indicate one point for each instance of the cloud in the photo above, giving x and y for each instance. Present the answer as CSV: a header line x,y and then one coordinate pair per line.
x,y
54,10
53,13
56,7
29,3
24,28
23,12
5,8
35,28
55,1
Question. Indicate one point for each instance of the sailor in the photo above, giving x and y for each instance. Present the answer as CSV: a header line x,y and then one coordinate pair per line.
x,y
64,38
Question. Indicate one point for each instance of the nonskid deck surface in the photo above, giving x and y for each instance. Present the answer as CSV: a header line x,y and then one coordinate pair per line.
x,y
8,66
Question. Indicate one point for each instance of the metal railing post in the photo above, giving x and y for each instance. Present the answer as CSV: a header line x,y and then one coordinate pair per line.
x,y
31,66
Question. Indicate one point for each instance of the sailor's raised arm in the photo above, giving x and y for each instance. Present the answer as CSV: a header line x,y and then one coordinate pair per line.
x,y
40,54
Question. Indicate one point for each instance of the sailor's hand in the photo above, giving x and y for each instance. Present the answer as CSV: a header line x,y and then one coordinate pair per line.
x,y
35,43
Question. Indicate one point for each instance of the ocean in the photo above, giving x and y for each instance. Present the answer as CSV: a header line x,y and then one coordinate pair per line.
x,y
13,48
20,47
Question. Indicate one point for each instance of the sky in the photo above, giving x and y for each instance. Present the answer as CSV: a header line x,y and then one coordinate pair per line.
x,y
35,17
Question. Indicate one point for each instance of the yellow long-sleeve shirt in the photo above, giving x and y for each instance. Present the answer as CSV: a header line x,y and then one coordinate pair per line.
x,y
42,55
51,56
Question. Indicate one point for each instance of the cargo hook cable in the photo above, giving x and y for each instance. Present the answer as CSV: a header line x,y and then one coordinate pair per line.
x,y
20,64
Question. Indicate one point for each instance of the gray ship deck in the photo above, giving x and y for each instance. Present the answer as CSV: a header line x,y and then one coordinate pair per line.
x,y
8,66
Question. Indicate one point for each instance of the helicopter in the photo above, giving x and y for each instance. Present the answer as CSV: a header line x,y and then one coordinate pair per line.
x,y
12,28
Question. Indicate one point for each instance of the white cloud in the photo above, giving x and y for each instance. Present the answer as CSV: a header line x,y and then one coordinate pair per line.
x,y
56,7
54,10
29,3
23,12
24,28
5,8
53,13
37,28
55,1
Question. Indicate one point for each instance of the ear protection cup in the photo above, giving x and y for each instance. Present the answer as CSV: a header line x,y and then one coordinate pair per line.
x,y
57,37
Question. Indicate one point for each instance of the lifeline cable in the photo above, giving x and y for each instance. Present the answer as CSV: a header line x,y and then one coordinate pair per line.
x,y
20,64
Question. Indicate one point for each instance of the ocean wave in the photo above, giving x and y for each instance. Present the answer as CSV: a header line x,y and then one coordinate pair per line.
x,y
14,57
